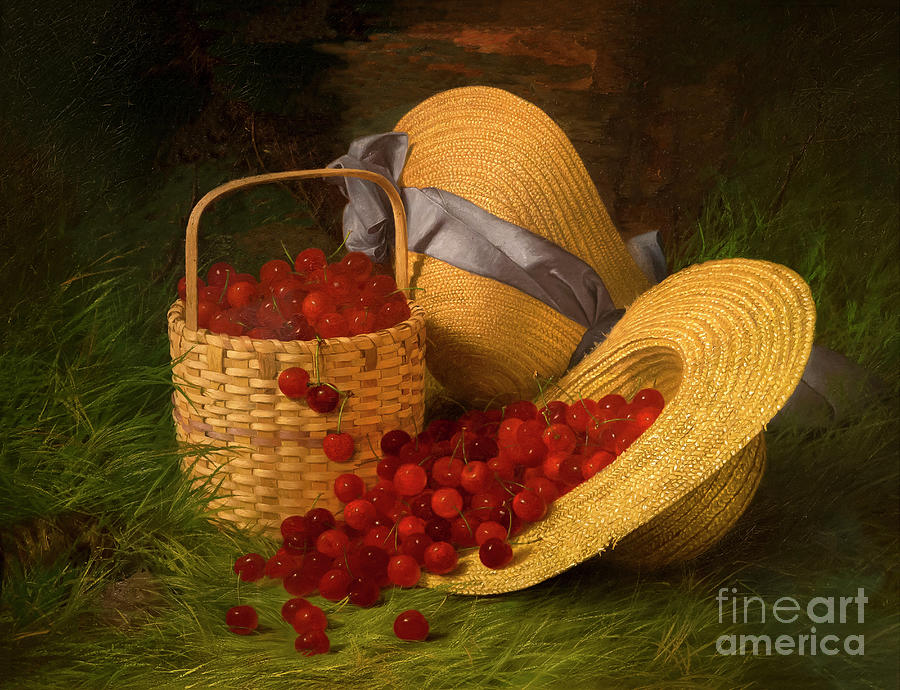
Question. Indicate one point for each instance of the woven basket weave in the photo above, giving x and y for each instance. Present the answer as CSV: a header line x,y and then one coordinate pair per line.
x,y
265,449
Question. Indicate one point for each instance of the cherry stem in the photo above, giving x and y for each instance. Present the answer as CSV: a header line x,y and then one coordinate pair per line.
x,y
340,246
288,254
344,399
466,522
316,362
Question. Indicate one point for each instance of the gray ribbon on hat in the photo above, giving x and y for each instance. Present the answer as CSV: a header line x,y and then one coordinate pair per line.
x,y
447,227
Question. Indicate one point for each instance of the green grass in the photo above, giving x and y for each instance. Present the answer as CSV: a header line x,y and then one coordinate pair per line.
x,y
91,493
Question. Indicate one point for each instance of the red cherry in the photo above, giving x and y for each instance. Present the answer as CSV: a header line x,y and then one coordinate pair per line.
x,y
559,438
446,502
206,311
570,470
361,321
359,514
410,479
309,260
333,585
391,313
611,403
475,477
363,592
348,487
439,529
297,328
312,642
341,286
404,571
411,625
220,273
521,409
394,440
410,524
322,398
300,582
490,530
415,545
495,553
579,413
274,270
554,412
279,565
268,315
332,542
619,435
529,506
358,265
447,471
338,447
596,462
650,397
241,294
317,520
291,606
293,382
241,620
378,287
332,325
644,415
317,303
292,524
250,567
544,488
440,558
309,618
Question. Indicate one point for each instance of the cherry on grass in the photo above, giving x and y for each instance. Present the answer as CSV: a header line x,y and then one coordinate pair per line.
x,y
312,642
411,625
251,567
241,620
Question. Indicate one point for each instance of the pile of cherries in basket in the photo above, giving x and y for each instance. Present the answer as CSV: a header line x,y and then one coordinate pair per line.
x,y
462,485
311,298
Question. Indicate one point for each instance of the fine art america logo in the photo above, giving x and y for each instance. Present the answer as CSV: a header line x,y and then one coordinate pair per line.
x,y
753,610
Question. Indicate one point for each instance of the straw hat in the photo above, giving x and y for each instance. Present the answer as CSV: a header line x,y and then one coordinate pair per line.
x,y
726,343
508,157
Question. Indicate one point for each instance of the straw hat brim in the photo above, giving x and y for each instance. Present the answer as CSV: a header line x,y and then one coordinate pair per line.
x,y
726,343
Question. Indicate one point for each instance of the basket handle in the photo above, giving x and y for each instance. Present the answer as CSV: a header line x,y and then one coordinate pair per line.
x,y
401,274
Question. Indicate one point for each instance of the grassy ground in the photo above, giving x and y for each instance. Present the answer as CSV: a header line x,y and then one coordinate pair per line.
x,y
113,577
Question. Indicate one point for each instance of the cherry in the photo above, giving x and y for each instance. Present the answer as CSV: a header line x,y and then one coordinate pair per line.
x,y
570,470
522,409
300,582
332,325
206,311
414,545
361,321
446,502
332,542
543,487
440,558
404,571
297,328
391,313
596,462
293,523
410,524
358,265
554,412
250,567
309,260
317,520
317,303
611,403
334,584
363,592
393,441
559,438
649,397
220,273
529,506
359,514
241,294
446,471
312,642
274,271
495,553
291,606
378,287
338,447
348,487
241,620
475,477
279,565
294,382
182,287
411,625
580,413
490,530
322,398
410,479
309,617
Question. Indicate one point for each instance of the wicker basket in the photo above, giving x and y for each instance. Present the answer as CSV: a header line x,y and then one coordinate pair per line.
x,y
263,450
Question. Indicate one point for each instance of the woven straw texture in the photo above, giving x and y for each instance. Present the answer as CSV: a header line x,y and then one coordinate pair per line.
x,y
726,343
508,157
262,449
